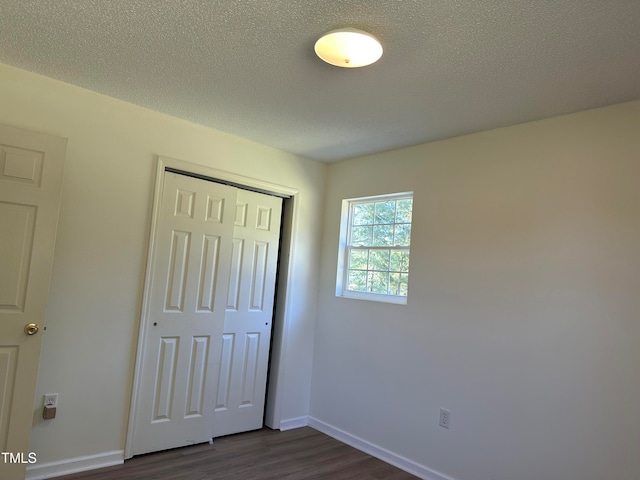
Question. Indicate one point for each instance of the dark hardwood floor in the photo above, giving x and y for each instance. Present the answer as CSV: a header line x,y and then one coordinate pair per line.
x,y
265,454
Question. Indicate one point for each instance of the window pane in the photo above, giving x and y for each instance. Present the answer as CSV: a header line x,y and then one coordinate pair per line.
x,y
394,284
382,235
402,234
379,260
361,236
398,284
363,214
403,211
404,282
357,281
378,282
399,261
385,212
358,259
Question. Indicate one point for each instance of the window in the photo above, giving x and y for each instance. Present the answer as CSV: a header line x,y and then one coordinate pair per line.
x,y
375,238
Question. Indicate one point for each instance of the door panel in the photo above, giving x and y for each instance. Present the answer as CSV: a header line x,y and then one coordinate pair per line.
x,y
177,279
197,379
228,341
247,324
207,288
165,378
250,369
8,365
31,167
182,354
16,238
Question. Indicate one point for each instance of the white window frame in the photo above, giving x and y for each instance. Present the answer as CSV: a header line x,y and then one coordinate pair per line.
x,y
346,219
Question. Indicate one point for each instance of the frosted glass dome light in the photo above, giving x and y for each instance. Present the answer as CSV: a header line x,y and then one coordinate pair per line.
x,y
349,48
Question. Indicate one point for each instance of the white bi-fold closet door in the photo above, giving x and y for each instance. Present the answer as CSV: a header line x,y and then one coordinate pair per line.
x,y
207,331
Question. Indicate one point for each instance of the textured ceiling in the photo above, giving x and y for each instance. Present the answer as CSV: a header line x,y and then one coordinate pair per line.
x,y
248,68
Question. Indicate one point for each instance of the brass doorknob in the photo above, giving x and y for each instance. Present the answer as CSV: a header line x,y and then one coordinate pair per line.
x,y
31,328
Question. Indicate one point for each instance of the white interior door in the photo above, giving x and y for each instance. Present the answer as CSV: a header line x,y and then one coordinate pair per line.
x,y
31,167
184,325
247,325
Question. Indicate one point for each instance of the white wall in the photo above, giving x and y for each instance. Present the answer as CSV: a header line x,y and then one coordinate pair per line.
x,y
96,289
523,315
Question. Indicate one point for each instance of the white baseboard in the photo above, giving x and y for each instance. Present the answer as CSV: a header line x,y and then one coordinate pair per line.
x,y
376,451
292,423
74,465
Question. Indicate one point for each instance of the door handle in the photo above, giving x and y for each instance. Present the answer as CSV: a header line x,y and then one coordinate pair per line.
x,y
31,328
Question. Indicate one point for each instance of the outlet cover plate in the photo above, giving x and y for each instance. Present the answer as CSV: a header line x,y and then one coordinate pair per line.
x,y
51,400
445,418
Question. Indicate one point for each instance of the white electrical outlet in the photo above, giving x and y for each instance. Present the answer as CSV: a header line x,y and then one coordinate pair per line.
x,y
445,418
51,400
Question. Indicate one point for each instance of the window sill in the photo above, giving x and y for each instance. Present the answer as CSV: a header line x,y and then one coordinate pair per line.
x,y
374,297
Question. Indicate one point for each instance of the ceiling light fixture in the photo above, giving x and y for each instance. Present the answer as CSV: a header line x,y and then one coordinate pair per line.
x,y
349,48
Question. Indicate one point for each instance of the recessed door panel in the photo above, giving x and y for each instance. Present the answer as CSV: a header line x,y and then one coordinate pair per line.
x,y
263,218
197,376
241,215
177,277
185,201
21,165
250,368
16,240
215,209
235,277
165,378
209,273
8,364
259,274
228,342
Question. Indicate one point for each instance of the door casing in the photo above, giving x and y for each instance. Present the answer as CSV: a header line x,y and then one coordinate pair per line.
x,y
281,316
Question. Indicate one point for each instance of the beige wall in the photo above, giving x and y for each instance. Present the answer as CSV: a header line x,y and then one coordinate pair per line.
x,y
523,315
100,257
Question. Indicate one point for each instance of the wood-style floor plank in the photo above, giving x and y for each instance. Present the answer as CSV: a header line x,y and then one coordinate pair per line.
x,y
300,454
